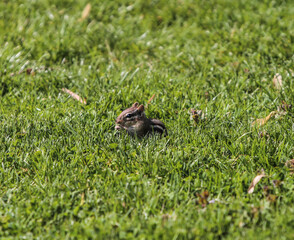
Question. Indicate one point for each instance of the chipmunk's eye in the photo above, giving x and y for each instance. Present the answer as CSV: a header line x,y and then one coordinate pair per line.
x,y
128,116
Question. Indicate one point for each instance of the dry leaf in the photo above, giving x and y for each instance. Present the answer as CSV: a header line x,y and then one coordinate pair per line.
x,y
86,12
255,181
285,106
149,101
82,199
197,115
277,81
203,198
74,96
290,165
260,122
30,71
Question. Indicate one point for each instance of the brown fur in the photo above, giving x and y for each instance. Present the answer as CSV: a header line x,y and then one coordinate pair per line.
x,y
135,122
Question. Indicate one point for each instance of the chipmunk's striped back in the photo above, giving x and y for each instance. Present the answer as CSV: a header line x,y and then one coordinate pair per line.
x,y
158,126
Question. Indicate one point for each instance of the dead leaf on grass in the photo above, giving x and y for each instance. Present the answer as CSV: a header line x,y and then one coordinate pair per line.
x,y
149,101
30,71
86,12
278,82
203,198
82,199
197,115
255,181
290,165
74,95
262,121
284,107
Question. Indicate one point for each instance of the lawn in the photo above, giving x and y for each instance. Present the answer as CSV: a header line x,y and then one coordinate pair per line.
x,y
66,174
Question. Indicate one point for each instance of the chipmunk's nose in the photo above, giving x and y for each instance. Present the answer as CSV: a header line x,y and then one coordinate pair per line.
x,y
117,127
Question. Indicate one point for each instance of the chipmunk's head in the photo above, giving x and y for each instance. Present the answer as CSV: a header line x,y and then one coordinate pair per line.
x,y
131,118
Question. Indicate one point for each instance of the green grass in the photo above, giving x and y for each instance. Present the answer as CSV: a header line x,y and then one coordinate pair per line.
x,y
64,173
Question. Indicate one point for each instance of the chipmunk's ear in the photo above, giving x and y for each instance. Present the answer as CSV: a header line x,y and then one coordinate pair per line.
x,y
135,104
141,108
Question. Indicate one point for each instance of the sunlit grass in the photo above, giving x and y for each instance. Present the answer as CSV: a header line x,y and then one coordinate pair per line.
x,y
64,172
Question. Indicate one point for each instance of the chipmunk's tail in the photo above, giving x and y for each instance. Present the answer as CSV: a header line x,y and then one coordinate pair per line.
x,y
158,126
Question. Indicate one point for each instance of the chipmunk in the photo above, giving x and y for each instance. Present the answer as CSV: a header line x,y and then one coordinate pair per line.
x,y
135,122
